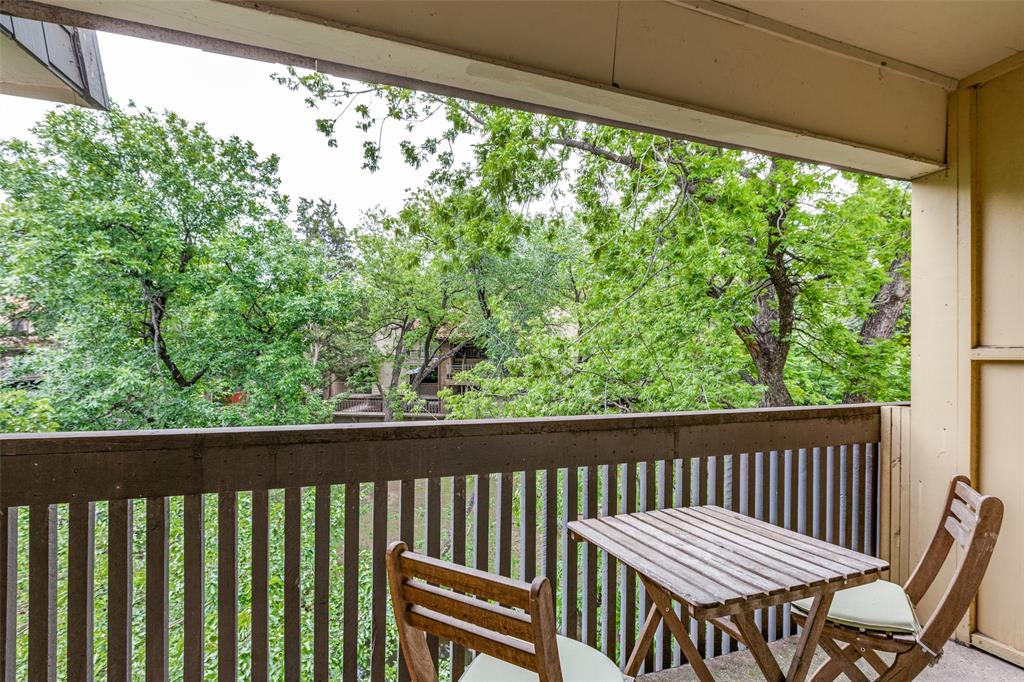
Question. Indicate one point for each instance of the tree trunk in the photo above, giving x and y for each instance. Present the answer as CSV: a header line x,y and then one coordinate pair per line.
x,y
886,309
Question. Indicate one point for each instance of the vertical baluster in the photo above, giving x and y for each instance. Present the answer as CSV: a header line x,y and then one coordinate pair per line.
x,y
870,495
528,527
807,491
119,591
820,493
292,595
856,521
227,586
847,458
792,518
8,592
433,536
763,474
684,497
648,499
833,495
321,583
195,588
551,527
157,667
666,492
718,464
627,588
260,629
504,520
570,593
42,593
81,554
459,557
792,490
778,515
407,532
610,491
378,637
350,630
700,469
750,483
590,590
482,522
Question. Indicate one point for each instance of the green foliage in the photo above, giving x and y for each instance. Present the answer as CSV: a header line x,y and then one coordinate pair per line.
x,y
159,262
684,276
23,412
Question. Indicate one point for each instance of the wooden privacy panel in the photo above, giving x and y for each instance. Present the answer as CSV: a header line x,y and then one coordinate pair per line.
x,y
289,582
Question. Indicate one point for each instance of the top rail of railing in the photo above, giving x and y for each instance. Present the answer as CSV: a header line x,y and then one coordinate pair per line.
x,y
51,468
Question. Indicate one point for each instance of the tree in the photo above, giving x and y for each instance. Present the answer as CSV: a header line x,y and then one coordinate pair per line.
x,y
159,262
799,264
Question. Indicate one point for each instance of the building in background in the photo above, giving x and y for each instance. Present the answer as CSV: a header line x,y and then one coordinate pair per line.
x,y
51,62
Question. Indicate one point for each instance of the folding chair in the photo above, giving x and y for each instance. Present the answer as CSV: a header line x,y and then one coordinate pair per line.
x,y
881,616
511,624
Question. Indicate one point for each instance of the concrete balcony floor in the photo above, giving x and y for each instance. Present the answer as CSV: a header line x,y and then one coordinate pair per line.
x,y
958,662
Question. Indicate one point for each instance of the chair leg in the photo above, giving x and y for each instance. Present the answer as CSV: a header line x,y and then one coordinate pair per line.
x,y
841,660
874,660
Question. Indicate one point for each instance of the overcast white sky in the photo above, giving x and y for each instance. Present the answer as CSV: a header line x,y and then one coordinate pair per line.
x,y
237,97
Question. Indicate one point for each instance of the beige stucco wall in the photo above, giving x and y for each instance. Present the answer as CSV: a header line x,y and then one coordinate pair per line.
x,y
968,331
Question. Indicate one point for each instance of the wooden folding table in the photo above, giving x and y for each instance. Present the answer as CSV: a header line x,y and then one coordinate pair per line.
x,y
721,566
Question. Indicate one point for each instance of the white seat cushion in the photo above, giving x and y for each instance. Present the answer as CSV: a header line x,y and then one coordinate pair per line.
x,y
880,606
579,662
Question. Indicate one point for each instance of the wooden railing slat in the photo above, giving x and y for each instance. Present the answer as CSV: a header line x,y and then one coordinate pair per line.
x,y
350,631
119,591
458,653
627,587
321,583
81,556
503,515
157,612
260,629
609,578
379,543
590,589
551,527
406,532
847,483
666,499
570,575
433,537
42,593
292,577
528,527
8,592
834,508
194,619
227,586
482,522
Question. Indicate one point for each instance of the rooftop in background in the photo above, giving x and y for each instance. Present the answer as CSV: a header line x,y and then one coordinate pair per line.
x,y
51,62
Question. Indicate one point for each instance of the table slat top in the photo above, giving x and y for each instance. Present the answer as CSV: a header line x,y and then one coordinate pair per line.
x,y
711,558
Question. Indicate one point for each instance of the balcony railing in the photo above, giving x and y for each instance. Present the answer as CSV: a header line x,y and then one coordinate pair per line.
x,y
98,525
355,404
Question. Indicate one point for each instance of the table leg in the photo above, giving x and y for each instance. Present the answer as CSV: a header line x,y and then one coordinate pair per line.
x,y
815,623
758,647
663,601
643,643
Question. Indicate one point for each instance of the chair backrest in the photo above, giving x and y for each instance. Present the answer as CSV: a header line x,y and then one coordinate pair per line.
x,y
971,521
508,619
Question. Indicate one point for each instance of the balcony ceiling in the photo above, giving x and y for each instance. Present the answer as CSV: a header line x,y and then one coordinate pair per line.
x,y
953,38
855,84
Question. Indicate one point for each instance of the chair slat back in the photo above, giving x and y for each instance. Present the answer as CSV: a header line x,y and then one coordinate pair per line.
x,y
972,522
504,618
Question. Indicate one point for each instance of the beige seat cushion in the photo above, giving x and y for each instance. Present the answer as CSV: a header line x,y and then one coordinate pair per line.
x,y
579,662
880,606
